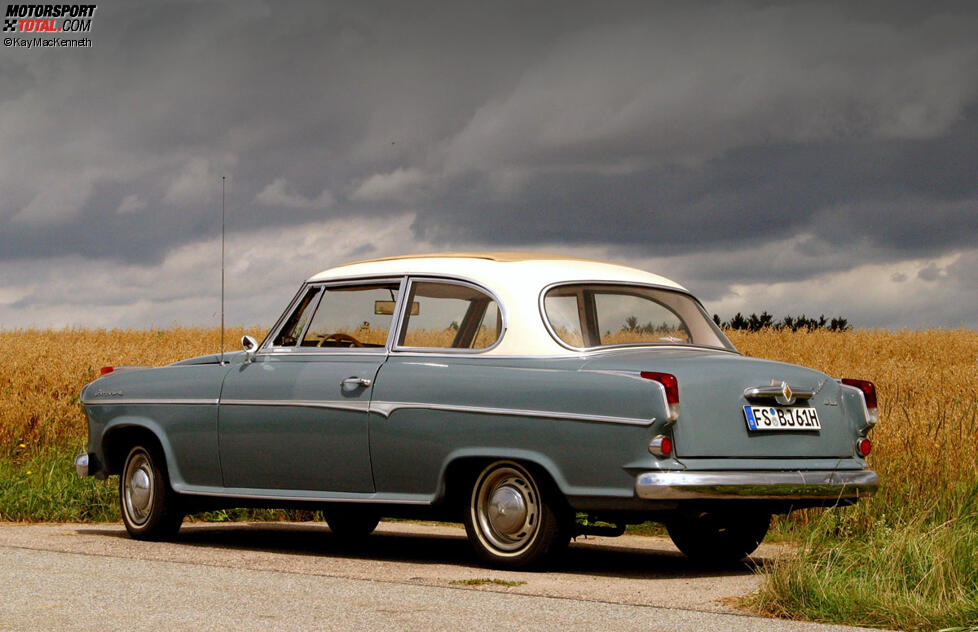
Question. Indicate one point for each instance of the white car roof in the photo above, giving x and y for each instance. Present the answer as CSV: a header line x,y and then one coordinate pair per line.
x,y
515,278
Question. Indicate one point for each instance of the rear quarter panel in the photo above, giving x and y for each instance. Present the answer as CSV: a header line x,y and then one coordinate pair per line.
x,y
586,457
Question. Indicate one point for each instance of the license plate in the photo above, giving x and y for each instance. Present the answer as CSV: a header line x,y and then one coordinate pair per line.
x,y
790,418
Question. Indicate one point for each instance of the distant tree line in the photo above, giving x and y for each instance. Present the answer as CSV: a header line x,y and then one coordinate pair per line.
x,y
632,325
794,323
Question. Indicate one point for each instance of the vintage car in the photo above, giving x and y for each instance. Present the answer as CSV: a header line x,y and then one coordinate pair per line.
x,y
532,397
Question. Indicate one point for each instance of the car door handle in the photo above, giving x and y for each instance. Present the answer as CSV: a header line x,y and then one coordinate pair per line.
x,y
356,382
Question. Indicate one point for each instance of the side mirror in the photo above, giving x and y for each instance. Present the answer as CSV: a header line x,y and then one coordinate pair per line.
x,y
250,346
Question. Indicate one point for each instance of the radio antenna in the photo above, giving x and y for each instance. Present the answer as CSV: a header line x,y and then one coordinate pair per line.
x,y
223,178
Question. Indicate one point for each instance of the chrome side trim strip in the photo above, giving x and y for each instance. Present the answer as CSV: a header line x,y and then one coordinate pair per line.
x,y
319,497
119,401
385,409
774,485
355,405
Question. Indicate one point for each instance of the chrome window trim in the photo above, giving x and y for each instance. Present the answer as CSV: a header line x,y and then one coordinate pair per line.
x,y
439,354
385,409
281,352
411,280
553,334
266,348
639,345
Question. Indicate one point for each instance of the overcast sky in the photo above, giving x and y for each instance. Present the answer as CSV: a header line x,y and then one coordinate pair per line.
x,y
789,157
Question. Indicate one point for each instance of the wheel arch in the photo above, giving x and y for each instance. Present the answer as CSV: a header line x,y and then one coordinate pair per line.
x,y
121,434
461,467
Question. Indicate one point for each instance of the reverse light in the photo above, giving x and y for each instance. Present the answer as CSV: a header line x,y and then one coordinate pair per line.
x,y
671,386
864,447
105,370
661,445
868,390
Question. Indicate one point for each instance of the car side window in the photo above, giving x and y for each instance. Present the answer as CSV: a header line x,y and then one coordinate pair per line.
x,y
352,316
288,336
447,315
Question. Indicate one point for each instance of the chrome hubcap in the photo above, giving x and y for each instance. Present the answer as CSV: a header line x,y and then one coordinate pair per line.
x,y
506,508
138,489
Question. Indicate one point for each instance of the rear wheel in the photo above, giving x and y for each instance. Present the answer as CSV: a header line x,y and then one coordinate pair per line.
x,y
150,508
718,537
352,524
512,520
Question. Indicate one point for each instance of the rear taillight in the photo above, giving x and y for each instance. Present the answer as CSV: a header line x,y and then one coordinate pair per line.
x,y
671,386
661,445
864,447
105,370
868,390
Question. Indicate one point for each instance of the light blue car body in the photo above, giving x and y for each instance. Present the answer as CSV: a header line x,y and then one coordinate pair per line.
x,y
268,428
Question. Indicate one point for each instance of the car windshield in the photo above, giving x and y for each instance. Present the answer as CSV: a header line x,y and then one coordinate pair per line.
x,y
589,315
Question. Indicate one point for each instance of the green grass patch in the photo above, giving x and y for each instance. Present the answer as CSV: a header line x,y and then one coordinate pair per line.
x,y
907,569
648,528
42,486
482,581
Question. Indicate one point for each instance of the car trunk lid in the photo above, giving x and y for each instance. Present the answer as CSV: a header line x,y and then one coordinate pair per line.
x,y
712,385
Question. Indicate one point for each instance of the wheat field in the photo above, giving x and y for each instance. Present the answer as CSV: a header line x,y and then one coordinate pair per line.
x,y
927,383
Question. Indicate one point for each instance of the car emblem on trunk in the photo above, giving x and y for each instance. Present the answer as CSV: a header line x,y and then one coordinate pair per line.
x,y
785,397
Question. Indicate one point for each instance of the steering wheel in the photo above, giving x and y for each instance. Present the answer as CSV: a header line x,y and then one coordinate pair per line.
x,y
341,337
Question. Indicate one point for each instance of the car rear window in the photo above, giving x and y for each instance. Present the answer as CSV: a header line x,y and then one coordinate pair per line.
x,y
585,316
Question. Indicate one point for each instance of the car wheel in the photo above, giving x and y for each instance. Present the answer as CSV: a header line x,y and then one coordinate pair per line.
x,y
718,537
352,524
150,508
511,520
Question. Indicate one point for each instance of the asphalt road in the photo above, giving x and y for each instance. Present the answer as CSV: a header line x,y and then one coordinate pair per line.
x,y
299,577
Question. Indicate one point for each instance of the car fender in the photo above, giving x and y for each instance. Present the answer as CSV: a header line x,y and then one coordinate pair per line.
x,y
150,425
533,457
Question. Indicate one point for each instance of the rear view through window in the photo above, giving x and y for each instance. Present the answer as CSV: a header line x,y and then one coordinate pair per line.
x,y
585,316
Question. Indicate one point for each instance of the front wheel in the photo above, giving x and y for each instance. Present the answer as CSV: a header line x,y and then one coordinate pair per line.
x,y
150,509
719,538
511,521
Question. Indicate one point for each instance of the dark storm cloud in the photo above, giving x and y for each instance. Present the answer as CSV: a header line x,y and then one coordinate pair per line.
x,y
825,136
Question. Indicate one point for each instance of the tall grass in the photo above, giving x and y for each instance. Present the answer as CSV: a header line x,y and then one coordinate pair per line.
x,y
908,558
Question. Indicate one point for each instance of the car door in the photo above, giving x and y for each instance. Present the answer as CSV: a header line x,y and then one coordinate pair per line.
x,y
295,418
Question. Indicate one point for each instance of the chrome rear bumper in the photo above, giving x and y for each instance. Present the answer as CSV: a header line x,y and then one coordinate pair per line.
x,y
798,484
